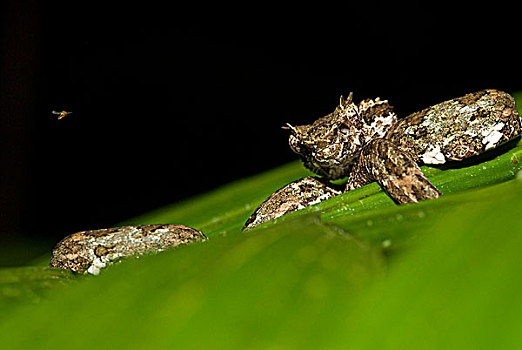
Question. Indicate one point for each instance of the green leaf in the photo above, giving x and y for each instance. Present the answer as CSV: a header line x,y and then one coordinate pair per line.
x,y
225,209
355,271
28,285
458,289
224,293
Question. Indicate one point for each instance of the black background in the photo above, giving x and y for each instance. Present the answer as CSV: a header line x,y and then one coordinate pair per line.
x,y
170,102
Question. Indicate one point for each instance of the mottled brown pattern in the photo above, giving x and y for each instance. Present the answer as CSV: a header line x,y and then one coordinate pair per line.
x,y
394,170
329,146
89,251
367,143
460,128
296,195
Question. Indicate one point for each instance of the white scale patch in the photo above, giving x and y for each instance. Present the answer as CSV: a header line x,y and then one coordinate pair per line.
x,y
379,127
492,135
433,156
96,266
